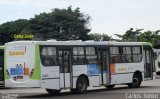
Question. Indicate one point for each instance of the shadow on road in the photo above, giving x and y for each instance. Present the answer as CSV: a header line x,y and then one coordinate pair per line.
x,y
89,92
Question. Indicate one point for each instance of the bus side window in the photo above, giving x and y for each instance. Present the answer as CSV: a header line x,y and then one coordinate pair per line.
x,y
91,55
78,56
48,56
127,55
115,55
137,54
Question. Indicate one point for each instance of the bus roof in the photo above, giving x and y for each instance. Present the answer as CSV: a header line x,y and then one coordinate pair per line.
x,y
79,42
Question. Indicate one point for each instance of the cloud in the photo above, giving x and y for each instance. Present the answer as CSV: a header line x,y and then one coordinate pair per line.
x,y
6,2
23,2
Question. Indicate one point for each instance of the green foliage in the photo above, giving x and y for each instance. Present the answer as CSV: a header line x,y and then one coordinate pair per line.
x,y
138,36
8,29
61,24
130,35
99,37
150,36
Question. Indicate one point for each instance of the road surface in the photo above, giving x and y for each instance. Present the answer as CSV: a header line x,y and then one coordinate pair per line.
x,y
148,90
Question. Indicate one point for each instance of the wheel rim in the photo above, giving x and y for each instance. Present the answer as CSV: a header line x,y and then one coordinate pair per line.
x,y
82,85
135,81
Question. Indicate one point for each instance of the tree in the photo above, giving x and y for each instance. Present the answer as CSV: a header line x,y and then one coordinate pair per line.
x,y
99,37
150,36
8,29
61,24
130,35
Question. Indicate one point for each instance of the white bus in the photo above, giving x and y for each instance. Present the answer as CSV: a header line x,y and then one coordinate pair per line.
x,y
56,65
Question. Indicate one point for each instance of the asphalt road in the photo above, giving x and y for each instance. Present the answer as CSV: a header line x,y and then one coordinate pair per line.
x,y
148,90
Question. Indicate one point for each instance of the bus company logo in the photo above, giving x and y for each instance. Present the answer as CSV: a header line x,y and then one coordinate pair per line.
x,y
18,51
122,69
14,53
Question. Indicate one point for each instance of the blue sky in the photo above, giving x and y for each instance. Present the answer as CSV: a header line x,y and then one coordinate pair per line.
x,y
107,16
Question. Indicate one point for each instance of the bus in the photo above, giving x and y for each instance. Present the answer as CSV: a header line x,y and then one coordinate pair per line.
x,y
1,65
75,65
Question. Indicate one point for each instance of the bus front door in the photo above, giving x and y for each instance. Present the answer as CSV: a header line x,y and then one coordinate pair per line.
x,y
148,64
104,66
64,63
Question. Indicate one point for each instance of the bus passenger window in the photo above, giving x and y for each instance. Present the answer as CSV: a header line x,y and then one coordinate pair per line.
x,y
115,55
78,56
91,55
137,54
48,56
127,55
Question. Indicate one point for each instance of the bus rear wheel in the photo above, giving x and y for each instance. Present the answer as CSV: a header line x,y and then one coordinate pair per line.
x,y
81,85
136,82
53,92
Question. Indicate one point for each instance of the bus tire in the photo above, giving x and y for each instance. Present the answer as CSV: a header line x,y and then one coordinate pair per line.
x,y
53,92
109,86
136,82
81,85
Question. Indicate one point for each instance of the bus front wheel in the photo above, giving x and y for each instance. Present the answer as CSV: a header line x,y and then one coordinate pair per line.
x,y
81,85
136,82
53,92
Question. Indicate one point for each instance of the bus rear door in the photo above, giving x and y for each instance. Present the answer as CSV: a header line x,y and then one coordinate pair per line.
x,y
64,57
148,63
103,63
